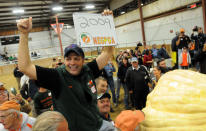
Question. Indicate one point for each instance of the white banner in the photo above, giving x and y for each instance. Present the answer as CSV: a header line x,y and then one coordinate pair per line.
x,y
94,30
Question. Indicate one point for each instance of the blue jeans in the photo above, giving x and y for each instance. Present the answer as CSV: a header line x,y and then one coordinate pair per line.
x,y
197,64
110,82
179,53
119,83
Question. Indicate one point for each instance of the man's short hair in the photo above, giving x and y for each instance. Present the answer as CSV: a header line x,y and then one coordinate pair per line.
x,y
100,78
48,121
160,60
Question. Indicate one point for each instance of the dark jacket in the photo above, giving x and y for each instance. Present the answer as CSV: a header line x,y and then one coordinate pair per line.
x,y
201,57
173,45
162,53
122,71
199,39
184,42
137,79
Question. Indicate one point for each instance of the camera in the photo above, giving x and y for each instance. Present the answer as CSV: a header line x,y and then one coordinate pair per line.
x,y
138,45
195,29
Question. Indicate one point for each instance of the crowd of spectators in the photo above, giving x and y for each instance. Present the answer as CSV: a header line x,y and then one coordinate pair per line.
x,y
75,96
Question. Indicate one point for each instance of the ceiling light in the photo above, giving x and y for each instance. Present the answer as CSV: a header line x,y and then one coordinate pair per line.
x,y
57,8
17,21
68,26
142,4
89,6
18,11
122,12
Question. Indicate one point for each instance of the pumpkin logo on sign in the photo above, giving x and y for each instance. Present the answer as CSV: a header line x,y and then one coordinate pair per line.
x,y
85,38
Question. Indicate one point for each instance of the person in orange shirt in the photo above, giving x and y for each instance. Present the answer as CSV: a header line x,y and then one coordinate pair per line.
x,y
184,59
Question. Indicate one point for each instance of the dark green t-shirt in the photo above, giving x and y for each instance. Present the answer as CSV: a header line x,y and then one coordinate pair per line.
x,y
42,102
74,96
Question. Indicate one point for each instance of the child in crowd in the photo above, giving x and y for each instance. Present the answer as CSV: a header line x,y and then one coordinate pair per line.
x,y
101,84
184,58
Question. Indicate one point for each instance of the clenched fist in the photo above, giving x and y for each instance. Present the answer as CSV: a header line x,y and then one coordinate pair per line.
x,y
25,25
107,12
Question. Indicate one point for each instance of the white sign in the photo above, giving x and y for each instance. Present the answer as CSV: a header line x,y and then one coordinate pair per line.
x,y
94,30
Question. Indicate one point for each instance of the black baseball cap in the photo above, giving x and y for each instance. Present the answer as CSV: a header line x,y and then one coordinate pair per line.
x,y
73,48
103,95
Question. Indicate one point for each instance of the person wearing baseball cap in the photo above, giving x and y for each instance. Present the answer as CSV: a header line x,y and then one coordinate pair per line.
x,y
103,103
72,84
73,48
12,119
134,59
137,79
182,30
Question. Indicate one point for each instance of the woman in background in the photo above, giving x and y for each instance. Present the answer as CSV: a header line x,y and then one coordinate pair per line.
x,y
157,74
148,59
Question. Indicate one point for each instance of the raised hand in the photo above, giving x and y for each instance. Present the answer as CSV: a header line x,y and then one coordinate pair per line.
x,y
107,12
25,25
